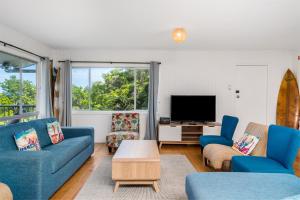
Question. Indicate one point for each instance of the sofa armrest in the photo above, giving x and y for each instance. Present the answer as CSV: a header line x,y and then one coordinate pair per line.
x,y
25,172
71,132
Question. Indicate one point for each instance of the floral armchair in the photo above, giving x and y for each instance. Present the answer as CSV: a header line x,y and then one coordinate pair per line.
x,y
125,126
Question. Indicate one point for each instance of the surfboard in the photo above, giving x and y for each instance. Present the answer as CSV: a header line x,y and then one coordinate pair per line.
x,y
287,112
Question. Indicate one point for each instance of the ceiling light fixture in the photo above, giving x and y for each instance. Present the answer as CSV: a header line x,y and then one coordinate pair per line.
x,y
179,35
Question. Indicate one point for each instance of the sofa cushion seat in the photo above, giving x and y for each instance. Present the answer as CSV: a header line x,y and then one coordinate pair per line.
x,y
214,139
66,150
257,164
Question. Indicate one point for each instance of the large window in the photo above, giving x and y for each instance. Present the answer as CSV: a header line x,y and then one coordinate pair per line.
x,y
17,85
110,89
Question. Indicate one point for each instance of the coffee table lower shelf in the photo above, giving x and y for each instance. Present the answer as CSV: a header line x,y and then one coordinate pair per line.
x,y
178,142
153,183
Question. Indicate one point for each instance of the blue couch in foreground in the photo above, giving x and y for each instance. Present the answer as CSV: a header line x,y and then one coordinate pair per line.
x,y
37,175
245,186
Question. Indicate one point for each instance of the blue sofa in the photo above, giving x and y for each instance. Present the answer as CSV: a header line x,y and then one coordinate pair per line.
x,y
245,186
37,175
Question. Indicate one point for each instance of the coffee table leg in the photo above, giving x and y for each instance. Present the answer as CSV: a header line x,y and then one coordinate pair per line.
x,y
160,144
155,186
117,186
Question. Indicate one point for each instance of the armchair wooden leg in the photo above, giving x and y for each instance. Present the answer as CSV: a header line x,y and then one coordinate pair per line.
x,y
205,162
201,148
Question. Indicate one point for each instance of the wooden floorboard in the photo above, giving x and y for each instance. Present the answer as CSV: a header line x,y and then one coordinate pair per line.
x,y
70,189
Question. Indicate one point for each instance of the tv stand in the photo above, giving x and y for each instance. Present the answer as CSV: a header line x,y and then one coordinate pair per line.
x,y
185,132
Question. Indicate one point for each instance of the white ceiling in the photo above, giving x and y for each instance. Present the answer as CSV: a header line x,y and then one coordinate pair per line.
x,y
211,24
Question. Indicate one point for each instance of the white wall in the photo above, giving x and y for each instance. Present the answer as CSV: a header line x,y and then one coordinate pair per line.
x,y
191,72
296,63
18,39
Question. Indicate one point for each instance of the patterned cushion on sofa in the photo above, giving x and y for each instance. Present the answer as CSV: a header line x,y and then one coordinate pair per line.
x,y
27,140
125,122
114,139
55,133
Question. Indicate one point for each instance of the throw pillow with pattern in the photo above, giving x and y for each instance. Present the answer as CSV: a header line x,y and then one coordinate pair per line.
x,y
246,144
27,140
55,133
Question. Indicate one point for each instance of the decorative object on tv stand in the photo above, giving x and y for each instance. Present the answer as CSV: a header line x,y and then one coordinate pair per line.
x,y
165,120
179,35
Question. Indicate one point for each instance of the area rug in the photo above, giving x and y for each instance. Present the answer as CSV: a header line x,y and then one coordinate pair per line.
x,y
174,169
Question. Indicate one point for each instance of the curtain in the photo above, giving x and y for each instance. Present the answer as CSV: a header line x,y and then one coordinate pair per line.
x,y
65,101
52,84
56,93
151,131
48,87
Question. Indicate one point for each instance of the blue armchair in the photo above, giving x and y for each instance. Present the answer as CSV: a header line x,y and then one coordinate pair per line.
x,y
282,149
229,124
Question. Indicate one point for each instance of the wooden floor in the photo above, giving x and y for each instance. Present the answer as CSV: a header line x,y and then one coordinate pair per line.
x,y
75,183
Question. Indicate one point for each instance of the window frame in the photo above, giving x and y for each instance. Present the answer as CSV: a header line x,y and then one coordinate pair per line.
x,y
37,62
90,66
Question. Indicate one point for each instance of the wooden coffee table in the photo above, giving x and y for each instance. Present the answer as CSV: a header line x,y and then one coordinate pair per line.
x,y
136,162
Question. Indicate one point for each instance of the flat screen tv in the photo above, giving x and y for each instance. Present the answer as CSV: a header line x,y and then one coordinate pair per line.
x,y
193,108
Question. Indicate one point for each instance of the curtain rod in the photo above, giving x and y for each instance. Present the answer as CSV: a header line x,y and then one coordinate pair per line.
x,y
105,62
24,50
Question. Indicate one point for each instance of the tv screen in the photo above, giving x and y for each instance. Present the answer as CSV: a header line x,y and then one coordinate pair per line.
x,y
193,108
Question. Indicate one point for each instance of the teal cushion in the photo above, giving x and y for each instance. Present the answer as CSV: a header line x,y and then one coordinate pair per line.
x,y
257,164
66,150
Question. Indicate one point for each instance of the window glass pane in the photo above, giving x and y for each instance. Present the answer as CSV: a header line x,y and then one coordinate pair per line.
x,y
17,85
29,88
80,88
9,90
112,89
142,85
